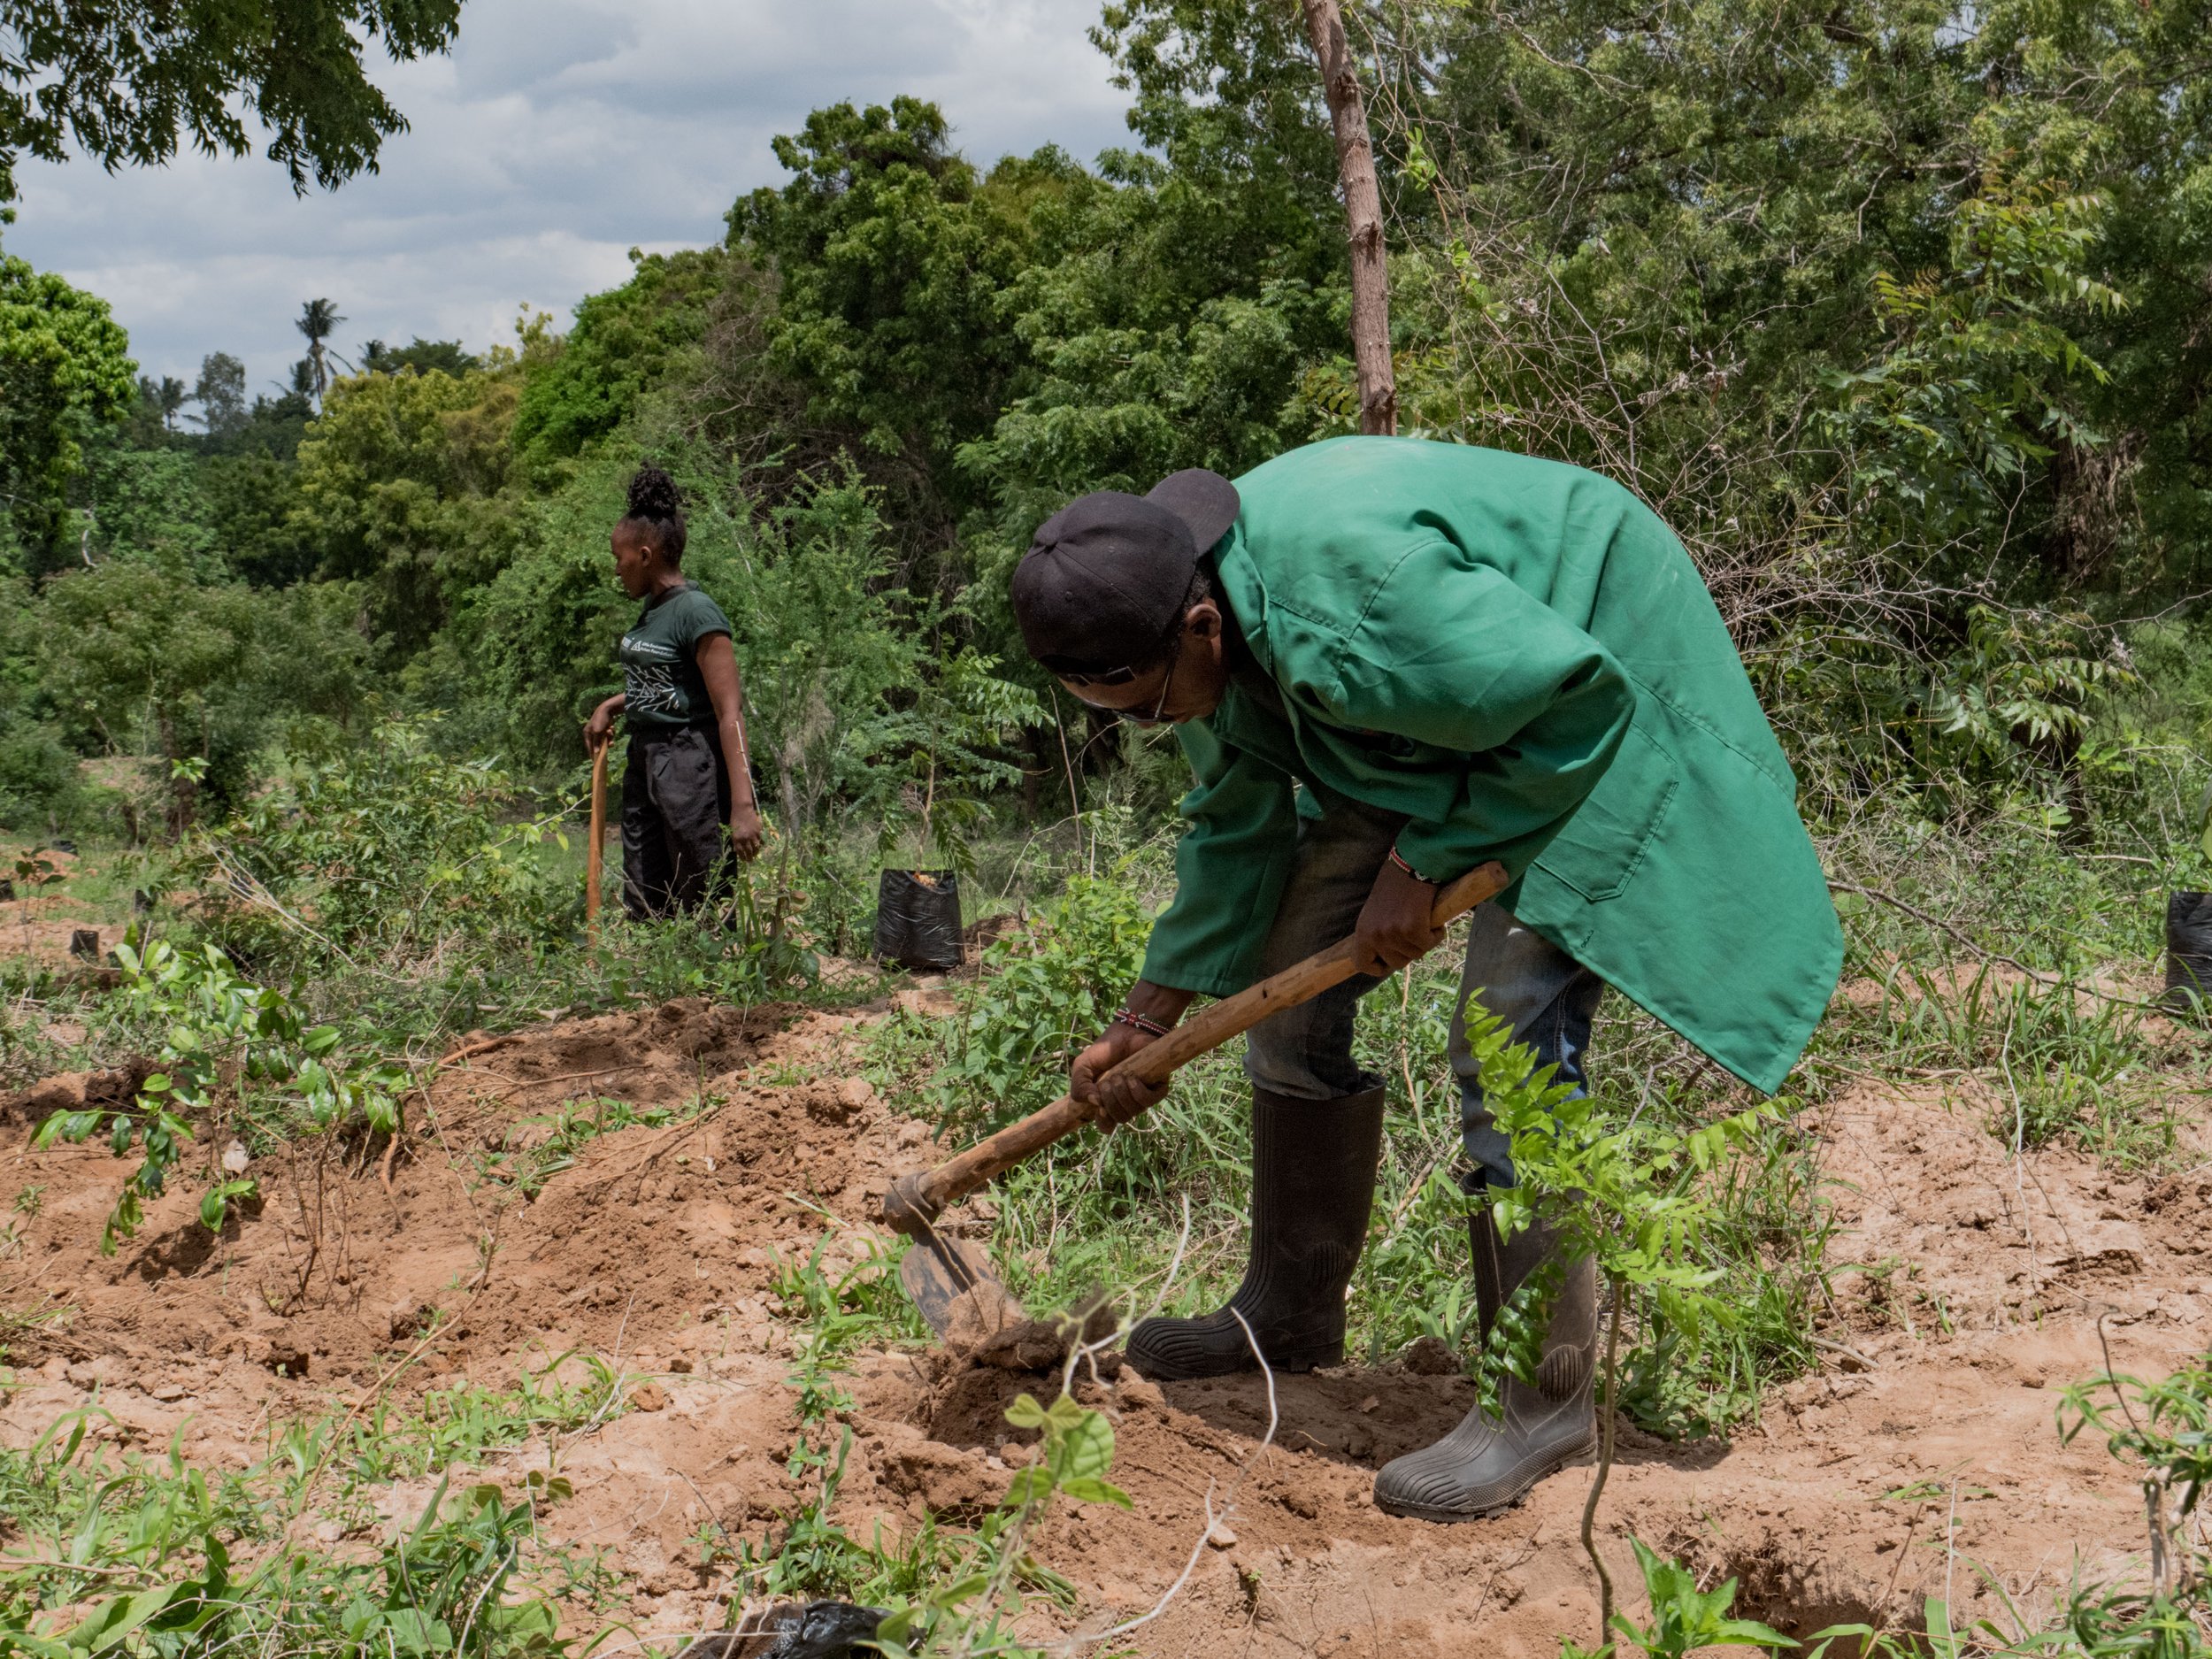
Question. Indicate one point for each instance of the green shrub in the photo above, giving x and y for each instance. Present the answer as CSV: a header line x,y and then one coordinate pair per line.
x,y
392,847
38,775
223,1036
1045,993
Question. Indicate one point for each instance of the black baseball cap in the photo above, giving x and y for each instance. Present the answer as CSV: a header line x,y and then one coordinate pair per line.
x,y
1104,581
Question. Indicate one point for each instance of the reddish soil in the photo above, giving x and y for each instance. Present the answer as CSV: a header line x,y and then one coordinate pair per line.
x,y
41,928
1924,1456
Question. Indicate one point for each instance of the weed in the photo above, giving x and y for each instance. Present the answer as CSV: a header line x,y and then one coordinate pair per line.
x,y
938,1585
573,1126
2166,1429
862,1302
1044,992
1685,1618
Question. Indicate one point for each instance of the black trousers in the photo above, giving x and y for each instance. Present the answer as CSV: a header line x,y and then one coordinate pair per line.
x,y
675,808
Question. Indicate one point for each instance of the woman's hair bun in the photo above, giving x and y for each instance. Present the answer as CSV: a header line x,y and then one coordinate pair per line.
x,y
654,497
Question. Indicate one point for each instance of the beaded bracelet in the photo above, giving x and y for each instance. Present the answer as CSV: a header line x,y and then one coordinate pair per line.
x,y
1138,1022
1407,868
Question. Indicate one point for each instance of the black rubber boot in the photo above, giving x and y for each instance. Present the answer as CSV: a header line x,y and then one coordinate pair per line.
x,y
1313,1182
1488,1463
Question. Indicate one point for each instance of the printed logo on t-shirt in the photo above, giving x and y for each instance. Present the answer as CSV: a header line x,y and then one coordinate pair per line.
x,y
652,690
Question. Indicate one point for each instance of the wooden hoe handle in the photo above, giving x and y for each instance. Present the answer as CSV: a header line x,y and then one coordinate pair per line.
x,y
916,1198
597,851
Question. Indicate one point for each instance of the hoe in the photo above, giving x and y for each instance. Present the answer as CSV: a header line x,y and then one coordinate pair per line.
x,y
938,1271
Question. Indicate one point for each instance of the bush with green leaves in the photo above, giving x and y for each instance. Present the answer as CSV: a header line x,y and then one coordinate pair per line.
x,y
939,756
1683,1618
225,1042
386,850
2164,1428
1046,991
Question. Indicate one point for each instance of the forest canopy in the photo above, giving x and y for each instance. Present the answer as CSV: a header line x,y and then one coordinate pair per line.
x,y
1896,314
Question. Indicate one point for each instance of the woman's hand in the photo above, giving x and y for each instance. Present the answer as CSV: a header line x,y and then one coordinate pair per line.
x,y
1393,924
599,730
746,831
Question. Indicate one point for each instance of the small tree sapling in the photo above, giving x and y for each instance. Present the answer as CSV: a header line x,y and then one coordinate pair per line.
x,y
1626,1192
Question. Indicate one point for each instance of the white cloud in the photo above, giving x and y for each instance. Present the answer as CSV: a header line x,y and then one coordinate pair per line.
x,y
559,135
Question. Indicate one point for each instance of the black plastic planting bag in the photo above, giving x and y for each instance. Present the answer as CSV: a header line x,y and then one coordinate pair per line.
x,y
820,1629
918,918
2189,950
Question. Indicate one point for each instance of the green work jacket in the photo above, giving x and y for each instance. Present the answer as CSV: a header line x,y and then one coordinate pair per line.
x,y
1520,658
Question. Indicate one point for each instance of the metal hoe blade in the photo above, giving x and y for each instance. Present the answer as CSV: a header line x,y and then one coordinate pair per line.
x,y
939,1271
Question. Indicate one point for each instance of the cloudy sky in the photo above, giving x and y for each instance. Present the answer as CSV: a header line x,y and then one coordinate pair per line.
x,y
558,135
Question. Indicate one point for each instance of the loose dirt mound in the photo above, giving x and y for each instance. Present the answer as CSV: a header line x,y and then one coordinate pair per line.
x,y
1974,1290
507,1210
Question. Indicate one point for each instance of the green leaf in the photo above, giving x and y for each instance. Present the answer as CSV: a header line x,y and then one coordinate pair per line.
x,y
1091,1489
1747,1633
415,1633
111,1621
1025,1413
71,1127
1088,1445
896,1628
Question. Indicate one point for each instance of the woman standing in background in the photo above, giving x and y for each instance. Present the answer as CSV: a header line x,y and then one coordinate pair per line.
x,y
689,776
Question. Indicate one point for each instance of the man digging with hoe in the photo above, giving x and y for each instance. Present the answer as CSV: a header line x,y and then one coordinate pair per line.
x,y
1387,661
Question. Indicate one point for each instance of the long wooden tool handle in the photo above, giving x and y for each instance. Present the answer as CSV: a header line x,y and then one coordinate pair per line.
x,y
597,851
916,1198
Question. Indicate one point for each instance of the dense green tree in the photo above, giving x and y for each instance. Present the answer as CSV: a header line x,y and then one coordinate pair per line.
x,y
273,426
403,484
892,257
147,505
140,660
447,356
166,394
38,771
251,500
626,344
1669,248
129,81
64,372
220,392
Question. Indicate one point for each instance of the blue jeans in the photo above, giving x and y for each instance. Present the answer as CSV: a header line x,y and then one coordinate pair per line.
x,y
1305,1053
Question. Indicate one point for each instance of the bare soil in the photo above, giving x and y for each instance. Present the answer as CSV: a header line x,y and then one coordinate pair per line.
x,y
1923,1455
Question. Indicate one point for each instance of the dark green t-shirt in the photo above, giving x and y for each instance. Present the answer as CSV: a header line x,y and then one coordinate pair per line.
x,y
660,660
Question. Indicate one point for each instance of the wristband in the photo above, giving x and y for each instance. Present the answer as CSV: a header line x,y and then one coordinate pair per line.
x,y
1138,1022
1409,869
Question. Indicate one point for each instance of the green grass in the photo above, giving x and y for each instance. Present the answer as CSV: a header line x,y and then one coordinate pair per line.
x,y
123,1553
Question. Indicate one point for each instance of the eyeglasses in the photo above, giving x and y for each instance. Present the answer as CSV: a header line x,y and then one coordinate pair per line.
x,y
1108,677
1121,676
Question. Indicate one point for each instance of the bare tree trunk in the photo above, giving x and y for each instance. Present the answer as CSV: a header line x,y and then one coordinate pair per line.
x,y
1362,213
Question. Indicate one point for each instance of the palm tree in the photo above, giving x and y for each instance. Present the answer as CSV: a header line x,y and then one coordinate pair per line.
x,y
166,396
319,319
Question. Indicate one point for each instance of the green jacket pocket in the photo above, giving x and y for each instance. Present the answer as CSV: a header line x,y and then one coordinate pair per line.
x,y
1603,847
